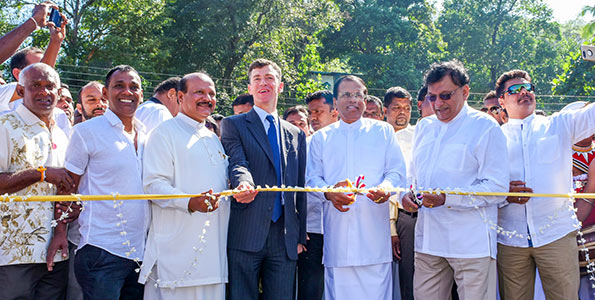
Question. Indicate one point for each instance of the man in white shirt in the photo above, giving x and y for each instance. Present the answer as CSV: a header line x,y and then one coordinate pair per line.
x,y
397,107
182,156
310,269
91,100
162,106
357,251
540,157
457,148
32,150
104,157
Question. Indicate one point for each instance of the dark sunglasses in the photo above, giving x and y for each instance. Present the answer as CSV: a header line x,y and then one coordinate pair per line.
x,y
495,109
444,96
516,88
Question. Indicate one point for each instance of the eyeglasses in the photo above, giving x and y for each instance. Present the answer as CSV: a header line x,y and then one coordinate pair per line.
x,y
444,96
516,88
496,109
356,96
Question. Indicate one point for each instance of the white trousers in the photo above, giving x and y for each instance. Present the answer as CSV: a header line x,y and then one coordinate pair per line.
x,y
371,282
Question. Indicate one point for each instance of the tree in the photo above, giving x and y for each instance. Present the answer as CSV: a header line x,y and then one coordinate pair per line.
x,y
388,42
494,36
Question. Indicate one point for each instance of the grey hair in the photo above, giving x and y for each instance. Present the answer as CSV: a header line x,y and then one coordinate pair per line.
x,y
41,67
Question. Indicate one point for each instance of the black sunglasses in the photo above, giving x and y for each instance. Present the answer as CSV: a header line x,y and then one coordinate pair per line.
x,y
444,96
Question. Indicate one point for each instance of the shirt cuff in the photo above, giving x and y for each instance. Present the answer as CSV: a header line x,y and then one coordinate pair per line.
x,y
393,227
453,201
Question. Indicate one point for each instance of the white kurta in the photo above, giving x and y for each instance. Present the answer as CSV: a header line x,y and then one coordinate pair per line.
x,y
152,114
360,236
540,153
468,153
182,156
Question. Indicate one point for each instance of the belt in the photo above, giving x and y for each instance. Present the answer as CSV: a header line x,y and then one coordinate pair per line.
x,y
409,213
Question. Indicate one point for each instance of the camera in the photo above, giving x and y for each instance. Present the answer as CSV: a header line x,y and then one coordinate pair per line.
x,y
588,52
55,17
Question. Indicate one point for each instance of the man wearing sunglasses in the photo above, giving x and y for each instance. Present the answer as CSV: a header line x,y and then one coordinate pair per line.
x,y
540,156
493,108
458,148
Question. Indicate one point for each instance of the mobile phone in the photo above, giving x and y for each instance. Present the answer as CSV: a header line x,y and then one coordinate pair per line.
x,y
55,17
588,52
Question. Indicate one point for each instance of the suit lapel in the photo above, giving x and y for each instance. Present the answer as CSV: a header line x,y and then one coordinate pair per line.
x,y
284,146
257,130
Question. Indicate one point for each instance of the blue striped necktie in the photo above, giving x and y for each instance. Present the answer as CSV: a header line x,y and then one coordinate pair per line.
x,y
272,135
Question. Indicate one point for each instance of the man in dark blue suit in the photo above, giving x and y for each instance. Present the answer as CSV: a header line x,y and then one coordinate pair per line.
x,y
266,230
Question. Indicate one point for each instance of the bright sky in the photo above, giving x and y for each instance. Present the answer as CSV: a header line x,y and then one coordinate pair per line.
x,y
566,10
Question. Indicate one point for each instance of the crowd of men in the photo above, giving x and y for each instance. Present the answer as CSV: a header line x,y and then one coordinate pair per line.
x,y
283,245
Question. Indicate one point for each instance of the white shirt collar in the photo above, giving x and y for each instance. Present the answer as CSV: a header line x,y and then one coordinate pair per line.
x,y
262,114
115,121
193,123
460,115
526,120
28,116
355,124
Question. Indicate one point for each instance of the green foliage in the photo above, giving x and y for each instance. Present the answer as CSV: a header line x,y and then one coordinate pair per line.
x,y
389,42
493,36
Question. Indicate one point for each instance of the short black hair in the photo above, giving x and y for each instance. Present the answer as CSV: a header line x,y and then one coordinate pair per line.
x,y
183,87
294,110
490,95
452,68
395,92
166,85
421,94
19,59
119,68
326,95
512,74
375,100
243,99
348,78
217,117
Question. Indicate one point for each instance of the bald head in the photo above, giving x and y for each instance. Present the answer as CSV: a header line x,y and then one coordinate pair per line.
x,y
40,68
197,96
39,86
183,86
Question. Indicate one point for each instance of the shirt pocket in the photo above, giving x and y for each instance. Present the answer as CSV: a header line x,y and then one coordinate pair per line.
x,y
548,149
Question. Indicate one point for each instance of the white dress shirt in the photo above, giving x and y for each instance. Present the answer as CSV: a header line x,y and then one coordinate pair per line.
x,y
152,114
314,207
26,143
468,153
540,153
360,236
107,161
182,156
405,139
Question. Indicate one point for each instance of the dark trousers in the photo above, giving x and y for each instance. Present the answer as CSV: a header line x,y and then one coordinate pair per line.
x,y
311,270
74,291
406,231
34,281
271,265
103,275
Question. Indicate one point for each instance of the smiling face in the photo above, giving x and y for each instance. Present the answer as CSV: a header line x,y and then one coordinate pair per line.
x,y
265,86
518,106
124,93
446,110
65,103
351,103
40,92
198,102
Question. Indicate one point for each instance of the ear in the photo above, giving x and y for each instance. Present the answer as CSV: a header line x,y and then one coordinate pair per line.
x,y
466,92
172,93
501,101
281,85
180,96
79,108
384,110
334,114
104,93
20,90
15,73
